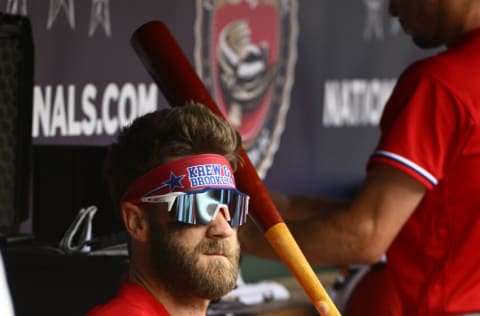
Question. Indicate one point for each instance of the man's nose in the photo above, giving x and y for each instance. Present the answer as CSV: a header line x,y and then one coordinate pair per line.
x,y
220,226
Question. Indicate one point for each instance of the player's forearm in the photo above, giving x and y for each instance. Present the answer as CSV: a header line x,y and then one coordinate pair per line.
x,y
311,221
296,210
299,207
338,238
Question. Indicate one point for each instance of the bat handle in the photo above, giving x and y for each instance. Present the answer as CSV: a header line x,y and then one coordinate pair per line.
x,y
287,249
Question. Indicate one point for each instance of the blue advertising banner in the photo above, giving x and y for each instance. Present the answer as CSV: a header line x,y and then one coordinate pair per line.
x,y
305,82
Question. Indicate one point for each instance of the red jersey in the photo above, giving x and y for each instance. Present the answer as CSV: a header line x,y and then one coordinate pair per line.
x,y
132,300
431,131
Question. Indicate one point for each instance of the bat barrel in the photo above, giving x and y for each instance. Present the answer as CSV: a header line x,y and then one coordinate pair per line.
x,y
170,68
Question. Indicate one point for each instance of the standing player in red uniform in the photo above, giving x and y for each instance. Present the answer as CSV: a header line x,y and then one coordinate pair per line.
x,y
171,172
420,202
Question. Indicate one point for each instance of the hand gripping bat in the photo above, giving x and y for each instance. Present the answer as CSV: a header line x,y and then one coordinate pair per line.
x,y
169,67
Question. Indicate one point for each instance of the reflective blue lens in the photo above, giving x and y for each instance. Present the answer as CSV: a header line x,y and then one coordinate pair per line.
x,y
201,207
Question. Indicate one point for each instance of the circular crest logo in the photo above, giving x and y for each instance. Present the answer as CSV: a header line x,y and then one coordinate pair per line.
x,y
245,53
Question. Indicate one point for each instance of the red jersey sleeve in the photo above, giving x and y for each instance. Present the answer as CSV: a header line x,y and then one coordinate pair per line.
x,y
421,127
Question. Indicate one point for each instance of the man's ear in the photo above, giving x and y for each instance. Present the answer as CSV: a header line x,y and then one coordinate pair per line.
x,y
135,221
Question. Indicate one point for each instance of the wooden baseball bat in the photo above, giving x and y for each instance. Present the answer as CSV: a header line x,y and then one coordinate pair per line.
x,y
170,68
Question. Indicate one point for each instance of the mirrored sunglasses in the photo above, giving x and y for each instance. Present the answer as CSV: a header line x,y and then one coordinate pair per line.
x,y
201,207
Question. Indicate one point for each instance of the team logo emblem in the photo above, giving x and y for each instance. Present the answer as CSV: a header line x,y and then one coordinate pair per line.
x,y
245,54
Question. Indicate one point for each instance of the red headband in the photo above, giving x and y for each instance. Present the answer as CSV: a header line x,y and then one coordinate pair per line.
x,y
186,174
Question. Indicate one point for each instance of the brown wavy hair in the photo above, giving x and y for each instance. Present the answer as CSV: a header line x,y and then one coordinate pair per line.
x,y
159,136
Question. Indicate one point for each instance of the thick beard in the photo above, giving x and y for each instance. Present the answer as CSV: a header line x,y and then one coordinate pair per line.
x,y
179,268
